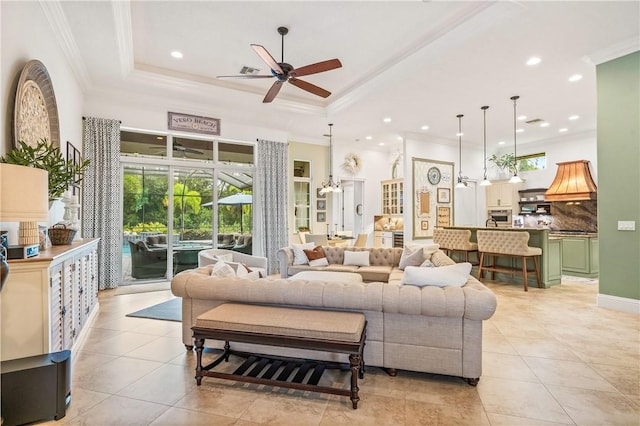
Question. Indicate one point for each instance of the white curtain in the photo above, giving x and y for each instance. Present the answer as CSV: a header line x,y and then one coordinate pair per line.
x,y
272,177
101,212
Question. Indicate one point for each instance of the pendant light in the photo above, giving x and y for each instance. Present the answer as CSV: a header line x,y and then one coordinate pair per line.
x,y
515,178
485,181
461,179
330,186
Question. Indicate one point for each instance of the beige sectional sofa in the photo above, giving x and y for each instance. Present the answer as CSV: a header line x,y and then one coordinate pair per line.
x,y
427,329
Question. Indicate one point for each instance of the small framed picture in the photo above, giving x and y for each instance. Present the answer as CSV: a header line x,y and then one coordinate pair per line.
x,y
444,195
321,204
321,217
320,195
424,225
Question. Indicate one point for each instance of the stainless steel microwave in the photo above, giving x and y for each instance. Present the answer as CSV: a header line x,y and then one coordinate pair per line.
x,y
502,217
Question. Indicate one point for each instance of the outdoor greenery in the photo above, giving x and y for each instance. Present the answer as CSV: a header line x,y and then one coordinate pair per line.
x,y
45,156
507,162
146,201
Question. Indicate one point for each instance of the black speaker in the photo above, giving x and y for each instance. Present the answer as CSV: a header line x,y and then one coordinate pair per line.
x,y
36,388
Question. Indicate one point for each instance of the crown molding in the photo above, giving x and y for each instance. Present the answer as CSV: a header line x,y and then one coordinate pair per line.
x,y
124,35
615,51
61,28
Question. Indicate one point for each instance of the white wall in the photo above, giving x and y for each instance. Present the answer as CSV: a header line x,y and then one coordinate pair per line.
x,y
27,35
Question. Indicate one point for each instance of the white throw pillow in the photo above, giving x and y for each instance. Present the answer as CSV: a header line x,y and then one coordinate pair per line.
x,y
443,276
319,262
356,258
222,269
241,271
299,258
227,257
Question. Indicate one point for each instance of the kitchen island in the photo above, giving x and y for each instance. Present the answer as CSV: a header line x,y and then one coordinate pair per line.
x,y
550,262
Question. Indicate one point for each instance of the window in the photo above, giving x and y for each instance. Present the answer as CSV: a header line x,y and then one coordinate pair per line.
x,y
302,194
532,162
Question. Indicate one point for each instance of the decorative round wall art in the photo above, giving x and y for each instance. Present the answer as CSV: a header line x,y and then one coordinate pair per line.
x,y
35,115
352,163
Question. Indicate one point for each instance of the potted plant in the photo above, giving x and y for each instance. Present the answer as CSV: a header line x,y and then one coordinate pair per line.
x,y
506,162
45,156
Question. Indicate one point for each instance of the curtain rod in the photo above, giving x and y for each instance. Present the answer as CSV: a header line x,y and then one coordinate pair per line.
x,y
84,118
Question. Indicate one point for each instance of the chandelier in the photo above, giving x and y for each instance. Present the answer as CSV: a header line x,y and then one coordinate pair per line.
x,y
330,186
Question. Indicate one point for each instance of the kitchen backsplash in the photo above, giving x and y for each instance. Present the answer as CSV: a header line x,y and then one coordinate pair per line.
x,y
575,215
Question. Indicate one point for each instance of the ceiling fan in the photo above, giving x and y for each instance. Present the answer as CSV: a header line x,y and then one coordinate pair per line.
x,y
284,72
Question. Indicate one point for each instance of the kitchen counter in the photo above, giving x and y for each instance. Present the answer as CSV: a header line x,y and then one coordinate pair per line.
x,y
550,262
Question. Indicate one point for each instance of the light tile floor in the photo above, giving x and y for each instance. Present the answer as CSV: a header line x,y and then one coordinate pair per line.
x,y
551,357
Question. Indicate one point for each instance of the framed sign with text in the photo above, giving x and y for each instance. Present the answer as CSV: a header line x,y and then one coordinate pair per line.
x,y
194,123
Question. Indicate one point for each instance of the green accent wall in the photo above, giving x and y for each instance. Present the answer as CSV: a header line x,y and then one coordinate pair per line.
x,y
618,86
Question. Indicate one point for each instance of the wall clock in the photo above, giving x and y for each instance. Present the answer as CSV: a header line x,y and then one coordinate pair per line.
x,y
434,175
35,115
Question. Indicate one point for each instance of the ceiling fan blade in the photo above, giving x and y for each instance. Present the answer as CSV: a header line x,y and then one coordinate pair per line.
x,y
244,76
273,92
311,88
266,56
331,64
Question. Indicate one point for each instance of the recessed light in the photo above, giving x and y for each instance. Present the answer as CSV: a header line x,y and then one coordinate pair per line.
x,y
368,138
522,117
459,134
533,60
400,138
176,54
574,117
501,143
544,124
519,130
564,129
381,144
575,77
387,119
424,128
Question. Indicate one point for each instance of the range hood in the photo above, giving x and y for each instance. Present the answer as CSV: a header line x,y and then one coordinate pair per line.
x,y
573,182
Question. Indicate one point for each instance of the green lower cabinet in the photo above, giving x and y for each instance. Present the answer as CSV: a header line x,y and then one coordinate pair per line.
x,y
553,266
580,256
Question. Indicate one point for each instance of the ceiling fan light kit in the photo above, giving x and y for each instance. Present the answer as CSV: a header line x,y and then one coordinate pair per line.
x,y
284,72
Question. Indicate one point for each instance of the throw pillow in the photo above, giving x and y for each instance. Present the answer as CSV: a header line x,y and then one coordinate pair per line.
x,y
356,258
443,276
222,269
319,262
299,258
315,253
410,258
427,264
227,257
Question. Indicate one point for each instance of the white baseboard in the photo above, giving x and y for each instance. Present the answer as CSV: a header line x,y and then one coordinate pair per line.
x,y
622,304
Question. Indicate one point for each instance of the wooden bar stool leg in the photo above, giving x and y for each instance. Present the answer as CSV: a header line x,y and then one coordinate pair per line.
x,y
480,266
492,263
524,273
535,265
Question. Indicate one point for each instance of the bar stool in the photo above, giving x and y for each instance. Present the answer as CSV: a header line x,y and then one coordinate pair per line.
x,y
451,240
507,244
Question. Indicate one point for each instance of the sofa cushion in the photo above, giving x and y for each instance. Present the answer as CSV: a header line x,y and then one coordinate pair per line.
x,y
451,275
356,258
375,273
299,258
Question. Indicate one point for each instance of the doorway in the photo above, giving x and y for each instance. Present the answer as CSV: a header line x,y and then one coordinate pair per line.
x,y
466,205
352,207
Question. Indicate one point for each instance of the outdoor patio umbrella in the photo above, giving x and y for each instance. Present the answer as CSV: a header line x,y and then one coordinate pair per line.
x,y
239,199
